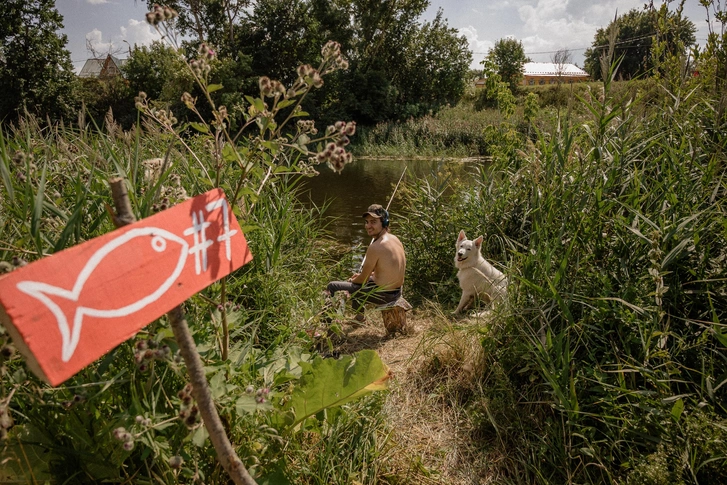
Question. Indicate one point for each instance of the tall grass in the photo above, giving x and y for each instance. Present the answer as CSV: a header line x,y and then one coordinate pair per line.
x,y
54,186
455,132
613,234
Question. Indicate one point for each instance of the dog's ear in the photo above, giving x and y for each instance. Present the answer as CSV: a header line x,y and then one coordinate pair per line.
x,y
478,242
461,237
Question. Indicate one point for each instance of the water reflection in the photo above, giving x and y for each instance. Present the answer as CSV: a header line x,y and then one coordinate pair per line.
x,y
362,183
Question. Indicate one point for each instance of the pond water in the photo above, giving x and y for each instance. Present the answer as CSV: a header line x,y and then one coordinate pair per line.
x,y
360,184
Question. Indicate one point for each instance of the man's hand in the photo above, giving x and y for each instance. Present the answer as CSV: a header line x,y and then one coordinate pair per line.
x,y
355,275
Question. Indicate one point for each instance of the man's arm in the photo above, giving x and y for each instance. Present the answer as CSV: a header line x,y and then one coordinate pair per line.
x,y
370,260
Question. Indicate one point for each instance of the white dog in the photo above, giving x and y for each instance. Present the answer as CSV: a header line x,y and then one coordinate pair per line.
x,y
477,277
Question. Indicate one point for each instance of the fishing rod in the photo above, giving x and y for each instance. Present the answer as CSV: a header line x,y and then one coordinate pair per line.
x,y
363,260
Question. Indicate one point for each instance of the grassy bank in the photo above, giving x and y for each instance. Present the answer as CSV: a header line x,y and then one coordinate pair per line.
x,y
475,128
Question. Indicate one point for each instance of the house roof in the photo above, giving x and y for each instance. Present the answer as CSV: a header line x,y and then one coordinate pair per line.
x,y
550,69
94,67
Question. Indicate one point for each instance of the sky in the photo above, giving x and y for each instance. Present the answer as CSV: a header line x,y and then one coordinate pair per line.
x,y
543,26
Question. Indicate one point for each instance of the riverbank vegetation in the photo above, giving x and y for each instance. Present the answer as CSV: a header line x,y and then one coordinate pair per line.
x,y
608,364
604,206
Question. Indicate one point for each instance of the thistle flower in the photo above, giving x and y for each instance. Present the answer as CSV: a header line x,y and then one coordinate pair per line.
x,y
205,51
159,14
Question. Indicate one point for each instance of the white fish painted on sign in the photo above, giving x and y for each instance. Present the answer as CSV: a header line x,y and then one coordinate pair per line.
x,y
159,239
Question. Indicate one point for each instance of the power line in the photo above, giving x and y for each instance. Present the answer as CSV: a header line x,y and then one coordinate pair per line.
x,y
625,41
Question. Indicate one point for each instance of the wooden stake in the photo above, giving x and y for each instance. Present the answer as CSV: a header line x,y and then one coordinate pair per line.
x,y
200,388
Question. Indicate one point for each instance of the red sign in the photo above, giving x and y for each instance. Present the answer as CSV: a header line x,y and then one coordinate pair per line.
x,y
65,311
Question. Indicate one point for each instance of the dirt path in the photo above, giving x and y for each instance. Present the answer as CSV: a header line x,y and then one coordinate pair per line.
x,y
432,366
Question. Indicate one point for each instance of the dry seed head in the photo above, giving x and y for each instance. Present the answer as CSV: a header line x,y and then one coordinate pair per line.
x,y
332,49
176,462
265,84
305,70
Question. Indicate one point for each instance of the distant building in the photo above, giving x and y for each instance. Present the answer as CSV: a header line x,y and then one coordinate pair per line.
x,y
540,73
107,68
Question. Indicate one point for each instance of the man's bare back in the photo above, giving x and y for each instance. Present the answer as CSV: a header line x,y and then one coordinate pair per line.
x,y
389,262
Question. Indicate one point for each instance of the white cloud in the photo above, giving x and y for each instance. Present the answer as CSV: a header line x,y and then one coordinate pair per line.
x,y
94,39
549,25
138,32
135,33
97,2
477,46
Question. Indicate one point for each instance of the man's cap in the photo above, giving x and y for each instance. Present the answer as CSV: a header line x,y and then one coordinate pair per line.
x,y
375,210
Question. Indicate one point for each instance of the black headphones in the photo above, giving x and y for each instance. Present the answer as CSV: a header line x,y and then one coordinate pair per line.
x,y
385,219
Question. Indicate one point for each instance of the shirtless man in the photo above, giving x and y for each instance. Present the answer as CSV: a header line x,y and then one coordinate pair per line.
x,y
382,273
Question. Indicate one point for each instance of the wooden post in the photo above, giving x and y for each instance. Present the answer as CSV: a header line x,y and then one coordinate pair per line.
x,y
200,388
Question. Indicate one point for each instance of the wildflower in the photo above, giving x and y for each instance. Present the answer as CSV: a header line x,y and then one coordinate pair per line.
x,y
205,51
119,433
350,128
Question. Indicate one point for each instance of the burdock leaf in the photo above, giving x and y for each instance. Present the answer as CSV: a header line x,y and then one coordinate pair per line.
x,y
327,383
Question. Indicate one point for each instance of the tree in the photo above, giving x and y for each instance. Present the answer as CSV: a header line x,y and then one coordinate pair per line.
x,y
397,66
158,71
439,60
213,21
633,39
508,55
278,35
35,68
560,59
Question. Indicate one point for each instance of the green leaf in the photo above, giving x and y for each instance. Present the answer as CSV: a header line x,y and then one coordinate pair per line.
x,y
228,153
720,336
200,436
248,405
201,127
677,409
285,103
276,476
328,383
214,87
